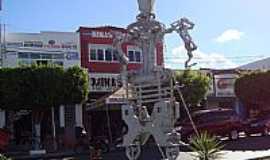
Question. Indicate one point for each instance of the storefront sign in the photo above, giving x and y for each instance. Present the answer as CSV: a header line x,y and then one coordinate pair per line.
x,y
104,82
72,56
61,46
224,85
100,34
116,100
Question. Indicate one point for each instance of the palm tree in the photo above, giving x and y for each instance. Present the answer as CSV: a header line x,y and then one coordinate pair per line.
x,y
206,146
2,157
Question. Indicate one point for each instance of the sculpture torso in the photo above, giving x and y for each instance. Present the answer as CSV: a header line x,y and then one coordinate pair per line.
x,y
150,32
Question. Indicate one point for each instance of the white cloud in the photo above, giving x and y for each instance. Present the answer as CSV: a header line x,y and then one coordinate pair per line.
x,y
203,60
229,35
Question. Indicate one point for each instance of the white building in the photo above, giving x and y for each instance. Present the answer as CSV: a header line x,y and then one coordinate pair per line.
x,y
263,64
60,48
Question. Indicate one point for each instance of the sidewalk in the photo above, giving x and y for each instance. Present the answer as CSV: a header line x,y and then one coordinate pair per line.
x,y
230,155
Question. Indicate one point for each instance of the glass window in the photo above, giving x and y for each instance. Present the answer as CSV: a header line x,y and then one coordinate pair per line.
x,y
23,55
74,46
33,44
14,44
131,56
46,56
28,44
37,44
138,56
58,56
108,55
93,54
100,54
35,55
115,55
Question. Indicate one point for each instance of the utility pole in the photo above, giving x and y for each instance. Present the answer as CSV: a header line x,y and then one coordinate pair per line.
x,y
1,54
1,44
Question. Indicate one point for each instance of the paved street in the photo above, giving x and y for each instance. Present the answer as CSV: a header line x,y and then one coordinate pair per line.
x,y
242,149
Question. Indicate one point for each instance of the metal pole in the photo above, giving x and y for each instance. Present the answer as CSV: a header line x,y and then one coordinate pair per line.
x,y
1,55
53,129
109,123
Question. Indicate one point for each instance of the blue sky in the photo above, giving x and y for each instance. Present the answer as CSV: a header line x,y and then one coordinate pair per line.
x,y
228,32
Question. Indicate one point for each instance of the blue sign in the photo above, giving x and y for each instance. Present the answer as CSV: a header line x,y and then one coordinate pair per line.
x,y
72,56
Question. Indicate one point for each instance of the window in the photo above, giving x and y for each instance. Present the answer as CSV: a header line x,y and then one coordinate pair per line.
x,y
93,54
131,56
104,53
137,56
37,44
58,56
74,47
108,55
134,54
35,55
115,55
100,54
46,56
23,55
33,44
14,44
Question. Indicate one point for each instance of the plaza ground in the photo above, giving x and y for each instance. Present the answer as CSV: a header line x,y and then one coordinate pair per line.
x,y
246,148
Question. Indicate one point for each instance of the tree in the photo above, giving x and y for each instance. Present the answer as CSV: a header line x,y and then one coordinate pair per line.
x,y
206,146
252,89
194,86
39,88
76,85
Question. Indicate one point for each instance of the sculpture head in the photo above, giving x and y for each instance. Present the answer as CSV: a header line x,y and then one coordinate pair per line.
x,y
146,6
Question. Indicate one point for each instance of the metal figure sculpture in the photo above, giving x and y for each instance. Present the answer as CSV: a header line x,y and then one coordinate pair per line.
x,y
152,85
182,27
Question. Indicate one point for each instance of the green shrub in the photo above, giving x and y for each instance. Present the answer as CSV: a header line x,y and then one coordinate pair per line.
x,y
2,157
206,146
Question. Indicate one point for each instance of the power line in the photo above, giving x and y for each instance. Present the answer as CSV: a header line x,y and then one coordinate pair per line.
x,y
228,57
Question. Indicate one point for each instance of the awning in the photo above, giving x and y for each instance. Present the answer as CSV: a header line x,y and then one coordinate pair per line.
x,y
116,97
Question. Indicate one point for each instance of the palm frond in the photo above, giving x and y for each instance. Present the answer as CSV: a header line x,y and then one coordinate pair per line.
x,y
206,146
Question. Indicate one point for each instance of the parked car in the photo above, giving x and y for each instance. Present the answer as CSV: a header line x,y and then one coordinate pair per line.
x,y
260,124
219,122
4,139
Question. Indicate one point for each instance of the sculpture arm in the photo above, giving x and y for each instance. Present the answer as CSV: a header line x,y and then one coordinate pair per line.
x,y
118,40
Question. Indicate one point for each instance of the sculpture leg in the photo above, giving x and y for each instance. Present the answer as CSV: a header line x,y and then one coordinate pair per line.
x,y
172,152
190,56
133,151
133,148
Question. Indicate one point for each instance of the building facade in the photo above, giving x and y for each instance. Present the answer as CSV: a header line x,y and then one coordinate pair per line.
x,y
99,57
61,48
